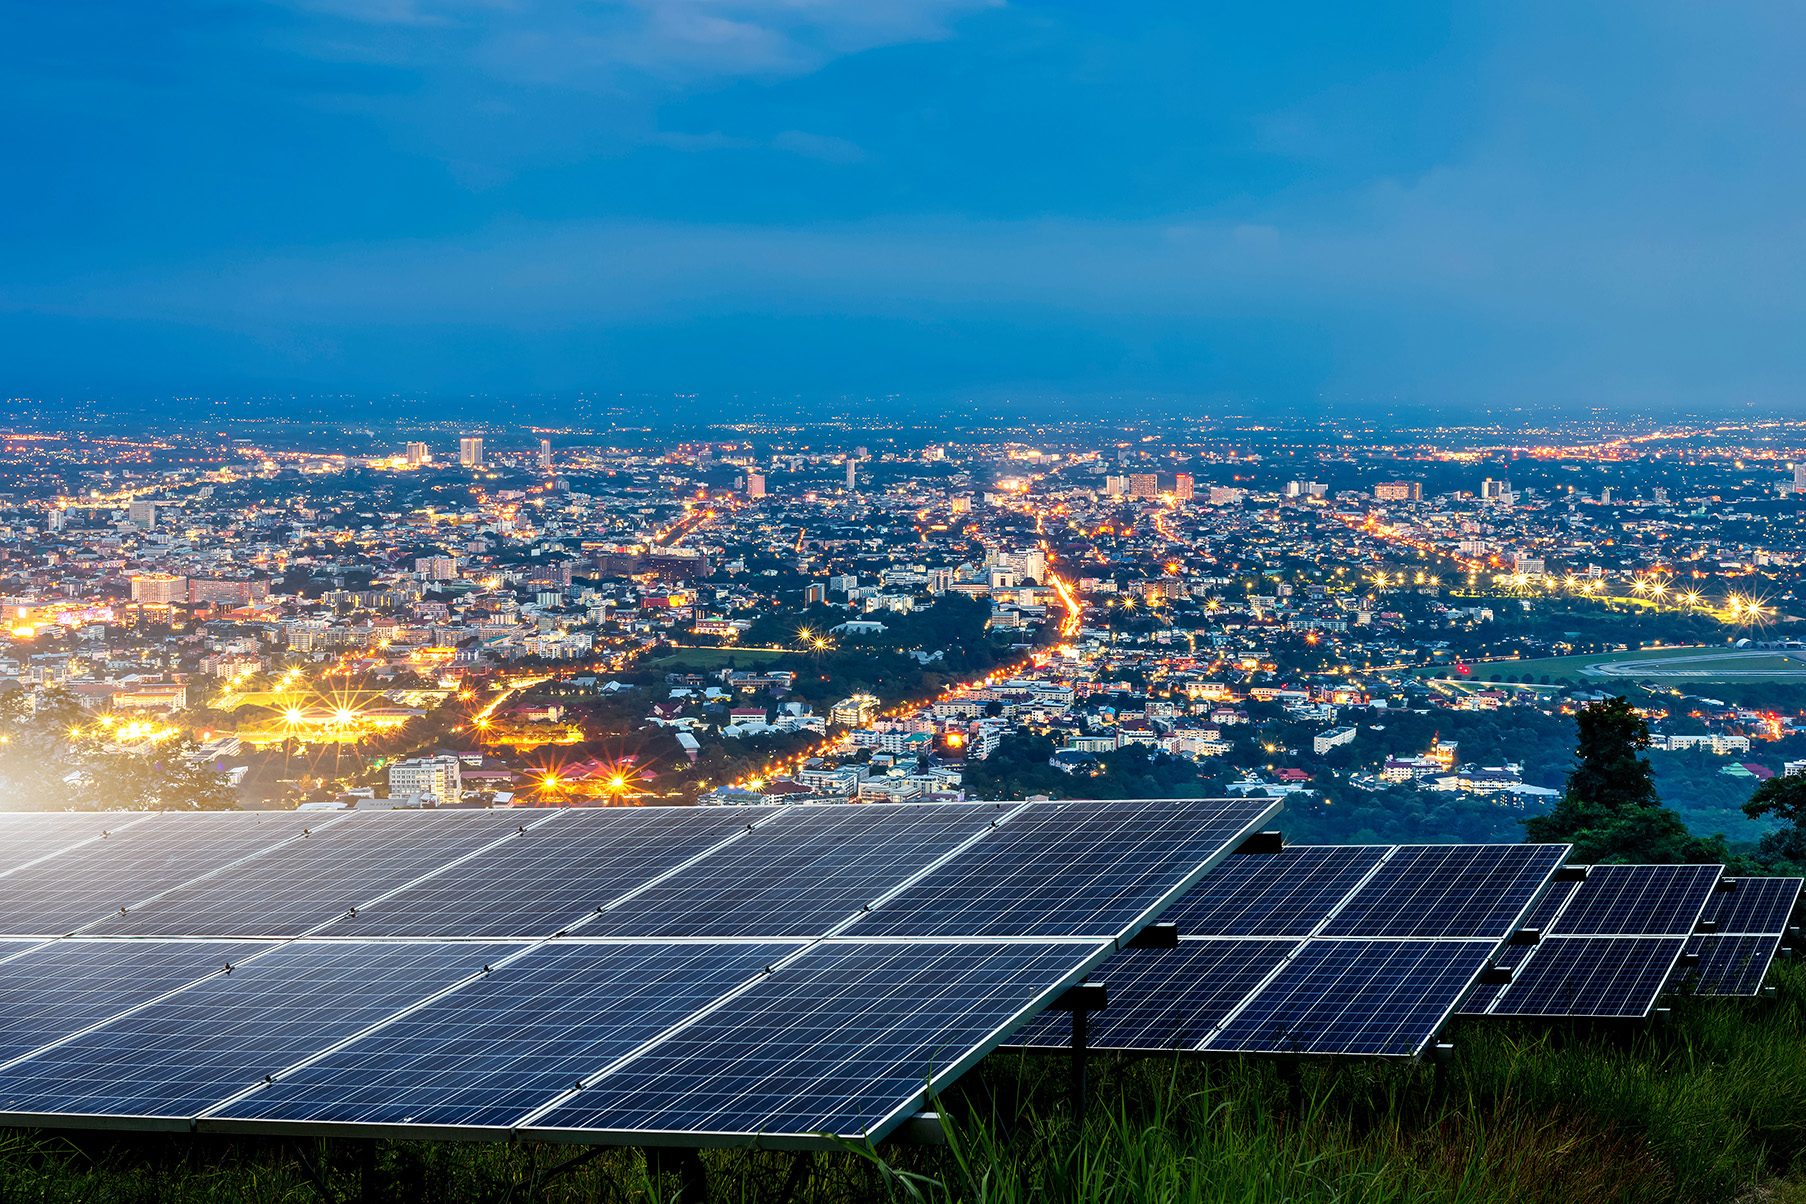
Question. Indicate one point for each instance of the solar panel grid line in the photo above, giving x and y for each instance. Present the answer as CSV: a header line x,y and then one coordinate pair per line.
x,y
489,967
1639,900
1449,891
1005,814
411,1086
954,1066
1373,997
559,876
1729,964
304,834
813,871
1154,910
69,985
75,843
1595,970
1282,894
1757,907
114,1017
89,883
215,1036
297,886
577,926
433,873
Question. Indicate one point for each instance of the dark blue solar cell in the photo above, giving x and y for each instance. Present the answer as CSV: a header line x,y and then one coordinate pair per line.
x,y
186,1052
804,873
497,1048
62,987
90,882
26,836
845,1040
1639,900
1448,891
1163,999
1728,965
552,875
1070,869
1288,893
1591,976
1756,906
303,883
1369,997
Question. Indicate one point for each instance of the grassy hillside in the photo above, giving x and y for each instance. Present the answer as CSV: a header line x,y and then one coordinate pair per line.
x,y
1707,1104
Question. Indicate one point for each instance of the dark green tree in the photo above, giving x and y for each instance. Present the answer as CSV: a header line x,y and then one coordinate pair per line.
x,y
1782,798
1610,811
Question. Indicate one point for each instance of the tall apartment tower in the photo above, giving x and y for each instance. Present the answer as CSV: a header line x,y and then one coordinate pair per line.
x,y
1183,487
470,451
852,475
545,455
755,484
418,454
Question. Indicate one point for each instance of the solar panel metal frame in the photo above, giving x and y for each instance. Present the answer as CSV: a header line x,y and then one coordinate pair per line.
x,y
1317,936
1100,949
1558,931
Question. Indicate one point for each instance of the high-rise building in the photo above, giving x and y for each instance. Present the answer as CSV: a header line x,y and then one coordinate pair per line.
x,y
1494,491
1183,486
1116,486
418,454
470,451
852,475
439,778
545,455
1306,489
1144,484
1398,491
142,514
159,589
755,484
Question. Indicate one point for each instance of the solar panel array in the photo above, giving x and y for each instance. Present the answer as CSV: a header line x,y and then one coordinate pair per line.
x,y
1609,943
710,975
1351,950
1749,924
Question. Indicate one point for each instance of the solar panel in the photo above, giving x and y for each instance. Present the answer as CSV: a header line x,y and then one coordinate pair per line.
x,y
1164,999
1590,976
175,1057
843,1041
62,987
1070,869
494,1050
304,883
88,882
553,875
839,1038
1755,906
1288,893
1449,891
25,836
1368,997
807,871
1728,965
1638,900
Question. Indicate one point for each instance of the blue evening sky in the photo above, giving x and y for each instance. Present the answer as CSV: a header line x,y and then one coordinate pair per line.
x,y
1295,204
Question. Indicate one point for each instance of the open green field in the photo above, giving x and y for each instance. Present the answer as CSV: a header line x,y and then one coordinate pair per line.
x,y
1696,664
1705,1104
717,658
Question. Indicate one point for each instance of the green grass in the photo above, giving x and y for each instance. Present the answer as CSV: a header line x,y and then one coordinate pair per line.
x,y
1699,664
1709,1104
716,658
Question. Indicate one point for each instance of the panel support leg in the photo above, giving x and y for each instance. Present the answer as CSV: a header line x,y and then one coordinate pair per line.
x,y
1081,1088
692,1179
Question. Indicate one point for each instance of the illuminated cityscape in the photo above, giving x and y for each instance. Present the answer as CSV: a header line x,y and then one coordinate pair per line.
x,y
1379,626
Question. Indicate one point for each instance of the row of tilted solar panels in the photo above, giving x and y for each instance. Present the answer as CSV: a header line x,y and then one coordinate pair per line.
x,y
785,975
